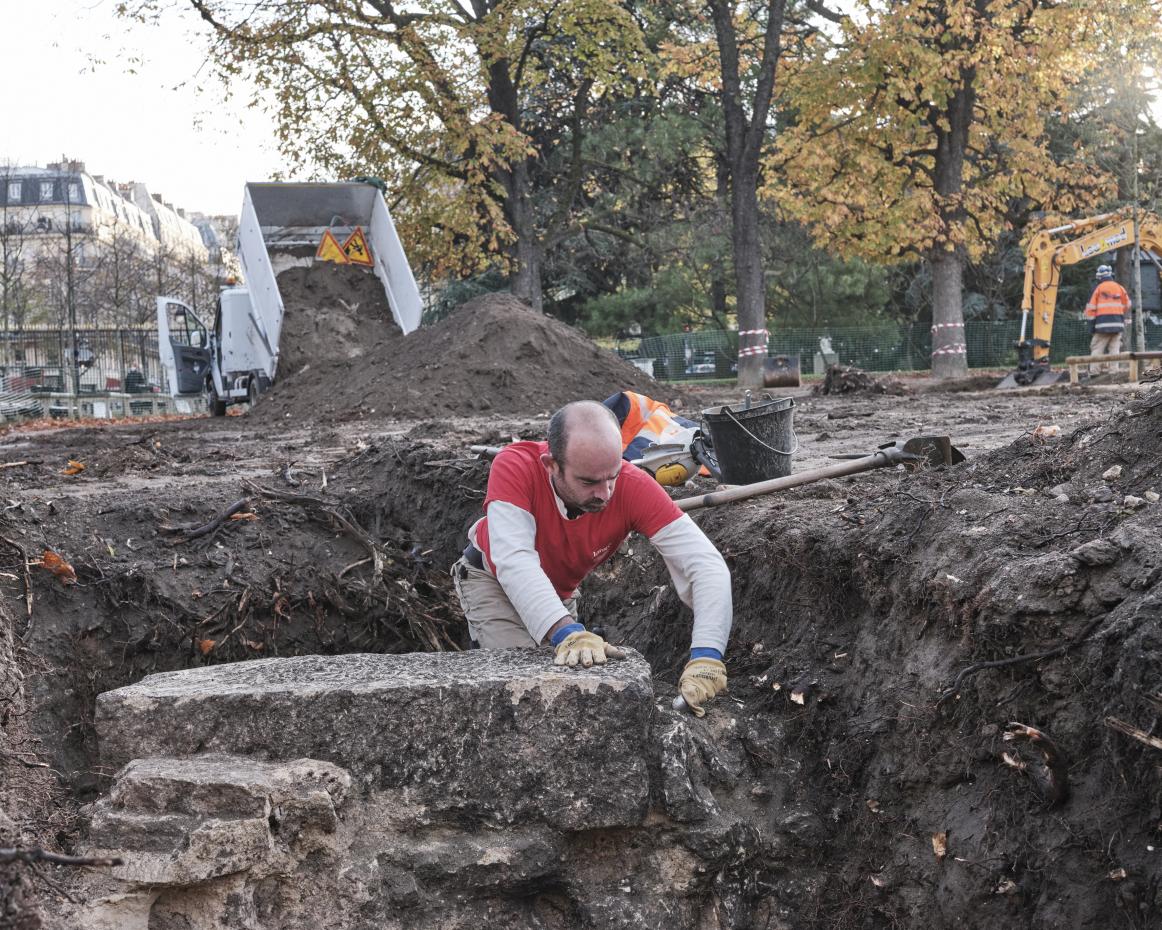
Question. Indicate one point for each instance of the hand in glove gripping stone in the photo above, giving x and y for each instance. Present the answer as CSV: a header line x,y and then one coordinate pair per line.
x,y
701,680
586,649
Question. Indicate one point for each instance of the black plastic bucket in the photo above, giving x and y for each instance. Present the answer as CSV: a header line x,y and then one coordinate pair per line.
x,y
753,444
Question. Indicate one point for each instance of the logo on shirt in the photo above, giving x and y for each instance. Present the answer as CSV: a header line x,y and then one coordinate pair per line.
x,y
602,552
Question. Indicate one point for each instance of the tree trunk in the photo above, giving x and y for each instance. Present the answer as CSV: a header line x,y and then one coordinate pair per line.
x,y
949,358
748,273
744,142
525,253
951,126
525,282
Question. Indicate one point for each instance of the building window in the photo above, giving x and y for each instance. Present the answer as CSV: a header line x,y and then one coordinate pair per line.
x,y
74,192
14,192
46,191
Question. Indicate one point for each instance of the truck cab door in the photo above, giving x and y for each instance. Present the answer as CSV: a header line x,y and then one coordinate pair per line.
x,y
184,346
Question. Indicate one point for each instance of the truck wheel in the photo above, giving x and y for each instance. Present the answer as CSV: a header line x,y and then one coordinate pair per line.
x,y
216,404
253,390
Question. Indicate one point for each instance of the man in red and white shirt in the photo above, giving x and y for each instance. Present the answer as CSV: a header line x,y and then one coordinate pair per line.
x,y
556,510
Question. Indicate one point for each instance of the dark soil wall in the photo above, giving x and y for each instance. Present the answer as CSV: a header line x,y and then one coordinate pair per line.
x,y
855,612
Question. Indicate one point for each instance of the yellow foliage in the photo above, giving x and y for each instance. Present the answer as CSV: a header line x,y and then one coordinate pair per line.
x,y
926,123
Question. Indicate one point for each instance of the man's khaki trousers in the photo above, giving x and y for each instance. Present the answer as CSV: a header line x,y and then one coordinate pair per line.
x,y
493,622
1104,344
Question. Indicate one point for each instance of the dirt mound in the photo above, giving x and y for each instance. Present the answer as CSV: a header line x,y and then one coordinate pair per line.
x,y
844,379
492,355
333,314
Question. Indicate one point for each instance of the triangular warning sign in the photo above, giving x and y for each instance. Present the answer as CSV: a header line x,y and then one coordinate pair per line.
x,y
330,251
356,250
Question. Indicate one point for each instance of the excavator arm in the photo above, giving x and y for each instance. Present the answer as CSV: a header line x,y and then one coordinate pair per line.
x,y
1045,256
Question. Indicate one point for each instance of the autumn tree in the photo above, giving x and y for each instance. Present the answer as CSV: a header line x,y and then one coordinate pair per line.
x,y
918,128
454,103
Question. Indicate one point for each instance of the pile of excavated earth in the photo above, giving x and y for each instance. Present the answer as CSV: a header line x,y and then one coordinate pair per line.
x,y
347,359
232,662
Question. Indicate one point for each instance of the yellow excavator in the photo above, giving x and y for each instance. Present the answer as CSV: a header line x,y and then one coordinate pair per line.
x,y
1045,256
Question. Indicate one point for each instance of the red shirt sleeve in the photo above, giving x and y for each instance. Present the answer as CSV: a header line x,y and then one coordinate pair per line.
x,y
650,507
509,479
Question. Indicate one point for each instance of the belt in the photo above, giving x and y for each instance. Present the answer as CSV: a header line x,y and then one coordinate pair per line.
x,y
474,557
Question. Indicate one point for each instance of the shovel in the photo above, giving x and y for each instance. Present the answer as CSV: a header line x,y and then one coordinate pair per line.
x,y
917,452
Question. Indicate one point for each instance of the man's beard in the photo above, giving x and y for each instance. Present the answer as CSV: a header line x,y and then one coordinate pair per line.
x,y
574,509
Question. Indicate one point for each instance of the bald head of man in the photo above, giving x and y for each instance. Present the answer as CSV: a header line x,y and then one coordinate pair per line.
x,y
584,457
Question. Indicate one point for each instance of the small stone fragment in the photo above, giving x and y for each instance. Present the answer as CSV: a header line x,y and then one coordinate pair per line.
x,y
1097,552
1151,496
1101,495
1133,503
1113,473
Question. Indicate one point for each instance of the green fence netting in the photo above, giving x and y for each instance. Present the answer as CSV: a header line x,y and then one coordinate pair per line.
x,y
707,354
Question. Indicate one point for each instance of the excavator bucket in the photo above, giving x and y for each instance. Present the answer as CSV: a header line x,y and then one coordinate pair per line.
x,y
782,371
1038,377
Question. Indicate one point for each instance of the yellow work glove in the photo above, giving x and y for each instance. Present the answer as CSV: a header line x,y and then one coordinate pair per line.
x,y
585,648
701,680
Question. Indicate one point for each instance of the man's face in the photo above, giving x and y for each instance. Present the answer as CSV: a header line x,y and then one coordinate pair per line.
x,y
587,478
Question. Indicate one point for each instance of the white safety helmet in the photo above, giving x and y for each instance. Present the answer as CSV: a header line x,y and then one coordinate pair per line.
x,y
1104,272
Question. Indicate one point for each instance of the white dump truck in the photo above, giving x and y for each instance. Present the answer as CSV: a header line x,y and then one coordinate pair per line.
x,y
280,227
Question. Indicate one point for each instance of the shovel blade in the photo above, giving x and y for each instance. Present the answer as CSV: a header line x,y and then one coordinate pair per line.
x,y
931,451
782,371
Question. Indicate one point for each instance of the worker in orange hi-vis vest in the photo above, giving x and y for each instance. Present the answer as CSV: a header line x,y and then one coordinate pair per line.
x,y
1108,312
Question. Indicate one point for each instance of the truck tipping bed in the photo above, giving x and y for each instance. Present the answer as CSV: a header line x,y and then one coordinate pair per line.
x,y
279,219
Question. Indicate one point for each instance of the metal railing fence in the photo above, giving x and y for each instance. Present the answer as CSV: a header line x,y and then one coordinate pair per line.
x,y
118,371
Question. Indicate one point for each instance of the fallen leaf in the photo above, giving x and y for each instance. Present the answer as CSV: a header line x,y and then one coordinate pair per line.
x,y
1117,875
940,844
245,515
253,644
59,567
73,468
206,645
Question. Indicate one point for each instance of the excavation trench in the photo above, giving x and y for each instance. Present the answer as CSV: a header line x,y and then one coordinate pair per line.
x,y
843,783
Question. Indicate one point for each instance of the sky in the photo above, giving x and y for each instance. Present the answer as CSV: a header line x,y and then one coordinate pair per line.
x,y
169,124
134,102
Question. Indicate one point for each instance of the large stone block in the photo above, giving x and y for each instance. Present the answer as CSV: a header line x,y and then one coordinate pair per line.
x,y
498,736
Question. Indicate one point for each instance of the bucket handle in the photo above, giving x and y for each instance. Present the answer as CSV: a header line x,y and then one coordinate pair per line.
x,y
794,449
